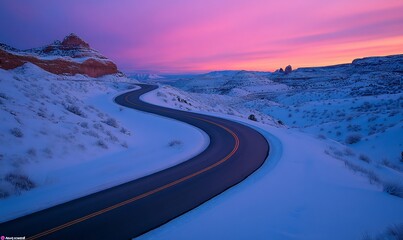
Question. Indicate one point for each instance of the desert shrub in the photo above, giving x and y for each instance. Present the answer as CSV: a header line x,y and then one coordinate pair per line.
x,y
252,117
98,126
373,178
31,152
349,152
112,137
101,115
48,152
393,188
395,231
174,143
354,128
81,147
280,122
353,138
75,110
124,144
91,133
112,122
19,181
16,132
355,168
102,144
41,113
364,158
321,136
3,95
389,164
124,131
4,194
84,124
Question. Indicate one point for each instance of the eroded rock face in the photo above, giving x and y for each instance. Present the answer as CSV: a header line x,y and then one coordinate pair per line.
x,y
73,40
71,56
288,69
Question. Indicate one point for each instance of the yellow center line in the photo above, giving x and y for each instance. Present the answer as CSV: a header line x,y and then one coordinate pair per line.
x,y
94,214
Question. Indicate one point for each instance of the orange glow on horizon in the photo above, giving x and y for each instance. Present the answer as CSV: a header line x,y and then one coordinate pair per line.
x,y
206,35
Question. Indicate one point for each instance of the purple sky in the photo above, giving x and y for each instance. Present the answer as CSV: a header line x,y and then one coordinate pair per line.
x,y
204,35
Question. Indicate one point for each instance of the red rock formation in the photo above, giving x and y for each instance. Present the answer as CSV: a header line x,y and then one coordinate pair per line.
x,y
73,40
72,46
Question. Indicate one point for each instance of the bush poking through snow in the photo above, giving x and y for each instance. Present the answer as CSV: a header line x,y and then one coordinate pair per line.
x,y
394,232
112,122
16,132
84,124
20,182
174,143
31,152
393,188
321,136
353,138
252,117
125,131
364,158
4,194
102,144
3,95
373,178
387,163
75,110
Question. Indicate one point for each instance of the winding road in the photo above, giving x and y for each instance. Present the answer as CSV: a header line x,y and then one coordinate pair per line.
x,y
131,209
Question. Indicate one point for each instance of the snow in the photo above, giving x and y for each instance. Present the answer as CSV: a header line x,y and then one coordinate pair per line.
x,y
363,98
102,145
307,188
314,184
301,196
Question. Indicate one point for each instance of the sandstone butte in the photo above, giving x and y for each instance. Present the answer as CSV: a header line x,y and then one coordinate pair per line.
x,y
71,56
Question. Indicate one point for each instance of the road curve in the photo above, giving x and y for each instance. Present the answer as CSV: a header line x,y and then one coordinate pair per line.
x,y
131,209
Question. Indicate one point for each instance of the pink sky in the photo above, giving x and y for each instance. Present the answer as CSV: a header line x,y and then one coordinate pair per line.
x,y
198,36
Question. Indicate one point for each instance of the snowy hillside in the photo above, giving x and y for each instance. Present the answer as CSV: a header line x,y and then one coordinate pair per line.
x,y
63,137
145,77
362,101
335,169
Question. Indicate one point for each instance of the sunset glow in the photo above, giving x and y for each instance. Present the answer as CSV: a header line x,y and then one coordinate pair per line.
x,y
199,36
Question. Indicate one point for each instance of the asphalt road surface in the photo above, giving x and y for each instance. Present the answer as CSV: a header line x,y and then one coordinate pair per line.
x,y
131,209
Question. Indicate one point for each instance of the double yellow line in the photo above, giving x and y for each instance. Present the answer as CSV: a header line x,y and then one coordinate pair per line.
x,y
97,213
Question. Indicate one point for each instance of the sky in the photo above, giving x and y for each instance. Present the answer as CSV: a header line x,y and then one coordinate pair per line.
x,y
186,36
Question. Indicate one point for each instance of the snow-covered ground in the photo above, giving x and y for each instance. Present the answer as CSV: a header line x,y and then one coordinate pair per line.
x,y
363,100
299,193
334,170
63,137
312,186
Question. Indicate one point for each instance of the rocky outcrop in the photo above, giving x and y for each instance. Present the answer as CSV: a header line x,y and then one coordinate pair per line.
x,y
71,56
73,40
288,69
